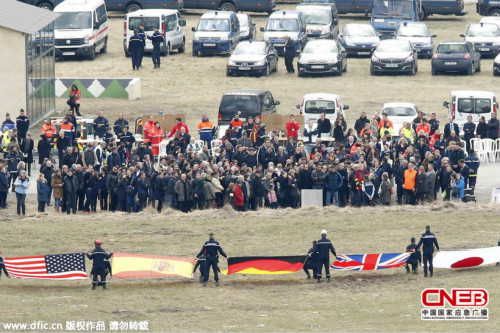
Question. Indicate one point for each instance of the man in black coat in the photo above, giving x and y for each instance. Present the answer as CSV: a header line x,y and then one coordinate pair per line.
x,y
62,144
428,240
311,261
211,250
135,47
111,182
70,187
259,191
324,247
99,265
100,125
361,122
493,126
22,125
469,130
324,125
289,50
450,127
415,257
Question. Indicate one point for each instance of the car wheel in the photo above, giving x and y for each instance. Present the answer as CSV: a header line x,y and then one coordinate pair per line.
x,y
495,12
105,47
132,8
228,73
230,49
478,69
195,53
92,54
413,70
345,68
434,71
268,70
166,52
46,5
276,67
372,72
299,74
183,47
228,7
495,73
471,69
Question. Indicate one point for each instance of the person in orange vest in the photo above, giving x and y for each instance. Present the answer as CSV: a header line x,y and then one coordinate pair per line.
x,y
67,128
205,128
49,131
424,126
410,176
292,128
177,127
236,123
382,122
75,97
156,135
147,128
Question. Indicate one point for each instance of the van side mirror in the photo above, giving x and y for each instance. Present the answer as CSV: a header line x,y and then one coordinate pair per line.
x,y
346,107
262,29
193,29
96,25
446,105
297,106
182,23
276,102
253,24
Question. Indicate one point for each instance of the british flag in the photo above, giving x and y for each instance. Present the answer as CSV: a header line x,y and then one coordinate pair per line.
x,y
369,262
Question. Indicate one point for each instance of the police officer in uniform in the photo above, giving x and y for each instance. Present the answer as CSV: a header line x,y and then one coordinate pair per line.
x,y
135,49
428,240
312,261
211,249
289,50
99,266
2,266
324,247
202,264
142,34
157,39
414,259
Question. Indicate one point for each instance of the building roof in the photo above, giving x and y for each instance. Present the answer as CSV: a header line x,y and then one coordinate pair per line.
x,y
25,18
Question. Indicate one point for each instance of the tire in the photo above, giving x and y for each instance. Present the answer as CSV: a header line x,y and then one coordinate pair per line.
x,y
228,73
105,47
166,52
345,68
268,70
276,67
228,7
433,71
299,74
92,54
230,49
478,69
471,69
46,5
183,47
495,12
372,72
132,8
195,53
413,70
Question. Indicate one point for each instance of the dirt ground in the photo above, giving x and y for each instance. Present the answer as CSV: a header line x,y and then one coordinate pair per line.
x,y
380,301
195,85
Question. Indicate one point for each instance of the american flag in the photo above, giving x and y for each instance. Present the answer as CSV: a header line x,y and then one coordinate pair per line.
x,y
69,266
369,262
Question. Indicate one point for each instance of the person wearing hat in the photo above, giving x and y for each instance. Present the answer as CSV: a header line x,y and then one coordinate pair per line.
x,y
135,47
22,125
323,248
2,266
8,122
99,257
211,249
428,240
415,257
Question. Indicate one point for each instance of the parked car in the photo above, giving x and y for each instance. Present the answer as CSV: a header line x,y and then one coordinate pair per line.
x,y
358,39
247,27
253,57
285,23
419,36
45,4
259,6
81,29
313,105
491,19
169,24
456,56
322,20
399,113
485,37
217,32
464,103
245,102
394,56
322,57
129,6
429,7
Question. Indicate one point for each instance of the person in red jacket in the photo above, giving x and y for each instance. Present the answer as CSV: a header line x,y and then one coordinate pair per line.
x,y
147,128
177,127
156,135
238,198
424,126
292,128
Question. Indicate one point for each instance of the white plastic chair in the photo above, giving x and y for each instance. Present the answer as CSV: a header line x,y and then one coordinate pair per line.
x,y
489,149
497,148
216,143
200,143
478,146
495,195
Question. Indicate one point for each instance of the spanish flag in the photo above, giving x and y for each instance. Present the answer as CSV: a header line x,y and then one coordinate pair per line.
x,y
265,265
128,265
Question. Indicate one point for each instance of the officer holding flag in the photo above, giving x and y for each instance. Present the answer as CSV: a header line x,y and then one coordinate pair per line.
x,y
324,247
100,264
211,250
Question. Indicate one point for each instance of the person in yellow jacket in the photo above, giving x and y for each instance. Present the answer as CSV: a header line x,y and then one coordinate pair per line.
x,y
408,132
205,128
5,139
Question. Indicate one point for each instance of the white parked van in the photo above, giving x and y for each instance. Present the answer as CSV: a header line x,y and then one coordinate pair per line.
x,y
313,105
464,103
82,28
169,23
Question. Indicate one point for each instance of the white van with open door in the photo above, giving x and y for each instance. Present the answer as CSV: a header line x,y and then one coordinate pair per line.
x,y
82,28
169,23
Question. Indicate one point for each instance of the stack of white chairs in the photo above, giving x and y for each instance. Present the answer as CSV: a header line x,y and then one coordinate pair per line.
x,y
163,148
497,148
214,144
489,149
478,146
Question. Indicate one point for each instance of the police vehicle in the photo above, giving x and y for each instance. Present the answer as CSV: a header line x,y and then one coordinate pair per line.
x,y
485,37
129,6
217,32
488,7
419,36
428,7
388,14
322,19
285,23
260,6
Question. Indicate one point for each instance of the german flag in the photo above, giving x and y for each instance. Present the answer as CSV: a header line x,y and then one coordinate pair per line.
x,y
265,265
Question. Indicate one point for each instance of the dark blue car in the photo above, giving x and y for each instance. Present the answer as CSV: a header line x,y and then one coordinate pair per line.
x,y
456,56
45,4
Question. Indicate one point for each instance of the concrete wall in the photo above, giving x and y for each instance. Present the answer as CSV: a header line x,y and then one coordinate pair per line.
x,y
13,73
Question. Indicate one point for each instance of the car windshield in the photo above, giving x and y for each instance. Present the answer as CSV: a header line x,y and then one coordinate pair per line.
x,y
74,20
213,25
413,31
399,111
250,48
393,47
451,48
474,105
243,20
360,30
487,30
282,25
149,23
321,47
247,105
392,9
317,16
318,107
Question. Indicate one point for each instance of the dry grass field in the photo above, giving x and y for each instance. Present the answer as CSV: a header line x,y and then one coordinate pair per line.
x,y
387,300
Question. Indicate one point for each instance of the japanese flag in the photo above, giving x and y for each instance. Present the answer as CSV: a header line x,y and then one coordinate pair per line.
x,y
467,258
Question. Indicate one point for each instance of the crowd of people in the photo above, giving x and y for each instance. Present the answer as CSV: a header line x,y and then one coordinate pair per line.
x,y
252,168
